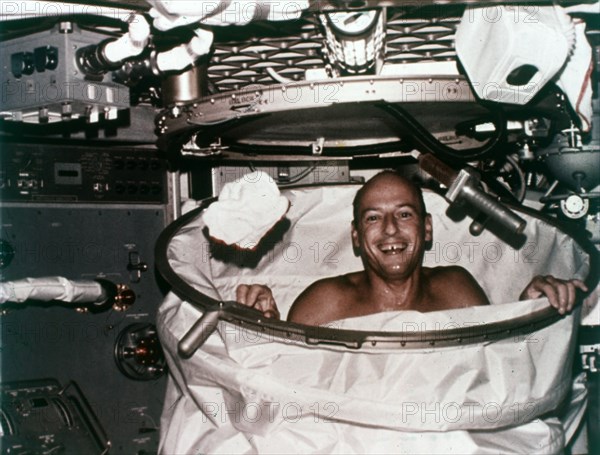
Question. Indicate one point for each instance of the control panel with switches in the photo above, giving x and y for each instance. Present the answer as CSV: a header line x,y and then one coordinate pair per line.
x,y
74,174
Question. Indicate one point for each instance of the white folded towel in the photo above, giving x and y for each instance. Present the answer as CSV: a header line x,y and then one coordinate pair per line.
x,y
246,210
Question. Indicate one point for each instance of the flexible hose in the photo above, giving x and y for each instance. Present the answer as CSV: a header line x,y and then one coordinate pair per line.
x,y
426,142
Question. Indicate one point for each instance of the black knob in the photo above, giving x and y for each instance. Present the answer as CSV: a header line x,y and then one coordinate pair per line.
x,y
7,253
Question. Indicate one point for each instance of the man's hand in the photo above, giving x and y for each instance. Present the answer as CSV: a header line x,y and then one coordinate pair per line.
x,y
258,296
560,293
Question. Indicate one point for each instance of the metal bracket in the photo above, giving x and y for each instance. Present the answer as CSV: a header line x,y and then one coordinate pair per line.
x,y
455,190
317,146
191,148
590,357
136,267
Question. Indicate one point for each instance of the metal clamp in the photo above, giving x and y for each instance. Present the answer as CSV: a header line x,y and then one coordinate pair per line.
x,y
589,357
317,146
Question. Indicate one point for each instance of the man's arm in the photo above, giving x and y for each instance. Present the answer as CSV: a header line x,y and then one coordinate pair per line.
x,y
258,296
560,293
306,309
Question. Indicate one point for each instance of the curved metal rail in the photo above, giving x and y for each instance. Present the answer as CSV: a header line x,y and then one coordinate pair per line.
x,y
251,319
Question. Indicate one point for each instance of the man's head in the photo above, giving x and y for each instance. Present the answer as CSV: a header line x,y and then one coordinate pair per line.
x,y
391,225
372,180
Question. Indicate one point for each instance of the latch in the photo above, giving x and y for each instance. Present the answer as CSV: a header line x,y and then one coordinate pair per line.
x,y
191,148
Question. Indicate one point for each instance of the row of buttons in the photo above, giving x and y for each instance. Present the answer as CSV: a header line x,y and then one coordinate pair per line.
x,y
141,164
129,188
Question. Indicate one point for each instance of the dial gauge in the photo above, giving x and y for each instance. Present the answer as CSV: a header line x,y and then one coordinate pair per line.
x,y
353,22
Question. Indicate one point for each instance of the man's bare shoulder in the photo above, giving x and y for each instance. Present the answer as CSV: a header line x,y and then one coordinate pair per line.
x,y
448,271
320,302
454,287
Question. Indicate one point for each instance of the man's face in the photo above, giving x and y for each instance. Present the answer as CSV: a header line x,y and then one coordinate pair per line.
x,y
391,230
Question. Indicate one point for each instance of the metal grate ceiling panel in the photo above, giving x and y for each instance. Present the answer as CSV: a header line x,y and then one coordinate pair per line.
x,y
238,63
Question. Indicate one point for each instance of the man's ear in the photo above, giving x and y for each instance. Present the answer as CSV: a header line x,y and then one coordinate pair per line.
x,y
428,228
354,233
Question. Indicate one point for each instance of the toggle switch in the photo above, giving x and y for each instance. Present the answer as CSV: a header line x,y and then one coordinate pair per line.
x,y
136,267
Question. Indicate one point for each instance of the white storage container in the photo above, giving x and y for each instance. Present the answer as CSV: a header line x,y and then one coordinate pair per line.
x,y
510,52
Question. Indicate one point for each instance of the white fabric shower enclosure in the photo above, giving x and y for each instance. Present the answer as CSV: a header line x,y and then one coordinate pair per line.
x,y
476,380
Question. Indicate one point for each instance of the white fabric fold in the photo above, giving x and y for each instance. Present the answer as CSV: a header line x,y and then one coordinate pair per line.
x,y
575,79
